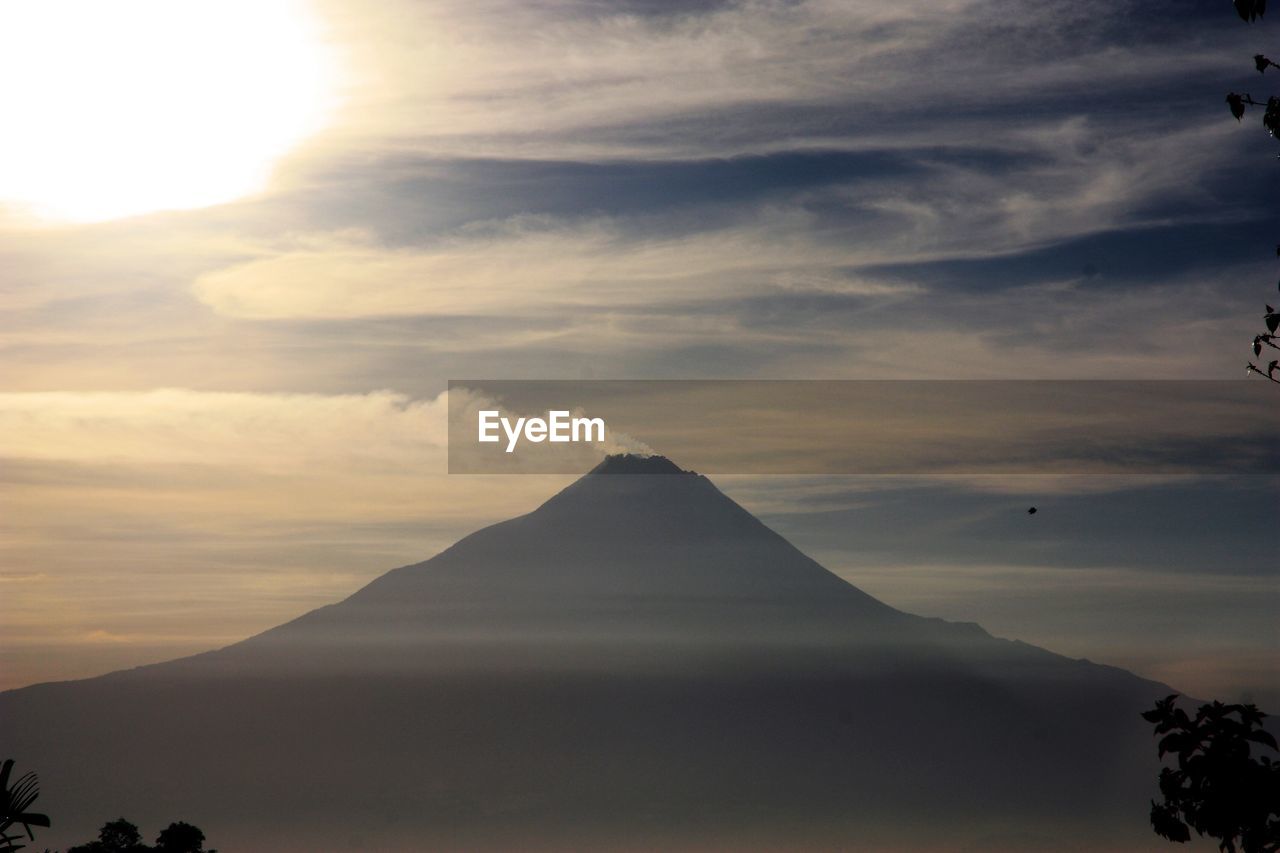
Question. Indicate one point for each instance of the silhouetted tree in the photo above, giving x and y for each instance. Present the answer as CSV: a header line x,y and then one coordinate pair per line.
x,y
121,836
1217,788
180,837
15,800
116,836
1250,11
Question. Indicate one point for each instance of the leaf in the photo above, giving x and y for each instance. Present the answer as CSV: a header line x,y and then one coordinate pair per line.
x,y
1257,346
1271,118
1262,737
1162,712
1272,321
23,793
1261,63
1251,716
1175,742
1236,103
1164,820
1171,783
1250,10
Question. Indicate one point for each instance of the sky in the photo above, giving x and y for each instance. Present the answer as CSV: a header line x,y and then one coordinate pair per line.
x,y
232,293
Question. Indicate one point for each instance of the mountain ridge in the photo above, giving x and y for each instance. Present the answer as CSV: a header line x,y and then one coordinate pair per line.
x,y
638,662
402,592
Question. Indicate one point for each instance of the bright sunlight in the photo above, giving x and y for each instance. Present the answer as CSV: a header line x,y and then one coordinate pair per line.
x,y
114,109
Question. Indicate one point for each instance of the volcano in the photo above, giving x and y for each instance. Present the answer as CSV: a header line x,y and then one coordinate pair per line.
x,y
639,663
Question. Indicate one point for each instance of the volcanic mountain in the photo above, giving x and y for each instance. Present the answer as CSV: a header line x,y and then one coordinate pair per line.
x,y
637,664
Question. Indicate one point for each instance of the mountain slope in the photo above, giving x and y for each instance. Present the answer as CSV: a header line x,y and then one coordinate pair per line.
x,y
639,662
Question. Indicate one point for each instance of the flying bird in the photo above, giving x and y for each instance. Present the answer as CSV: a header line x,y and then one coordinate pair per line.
x,y
1031,511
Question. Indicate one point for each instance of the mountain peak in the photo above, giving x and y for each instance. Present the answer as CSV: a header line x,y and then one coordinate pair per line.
x,y
630,463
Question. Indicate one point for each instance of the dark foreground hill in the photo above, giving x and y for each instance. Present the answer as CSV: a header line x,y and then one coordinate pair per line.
x,y
637,664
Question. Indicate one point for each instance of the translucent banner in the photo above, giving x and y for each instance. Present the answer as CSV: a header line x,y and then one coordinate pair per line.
x,y
891,427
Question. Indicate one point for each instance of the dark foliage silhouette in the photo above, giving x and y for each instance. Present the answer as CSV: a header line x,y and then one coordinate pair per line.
x,y
1218,788
180,837
121,836
116,836
16,798
1250,11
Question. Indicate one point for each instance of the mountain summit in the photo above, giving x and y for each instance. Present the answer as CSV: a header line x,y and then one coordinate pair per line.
x,y
648,563
637,663
630,463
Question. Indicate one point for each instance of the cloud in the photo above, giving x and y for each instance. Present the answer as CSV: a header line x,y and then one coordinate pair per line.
x,y
639,243
100,636
1062,182
206,461
815,240
176,426
522,266
577,80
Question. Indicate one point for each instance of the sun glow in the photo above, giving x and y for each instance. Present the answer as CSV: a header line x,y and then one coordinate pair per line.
x,y
113,109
